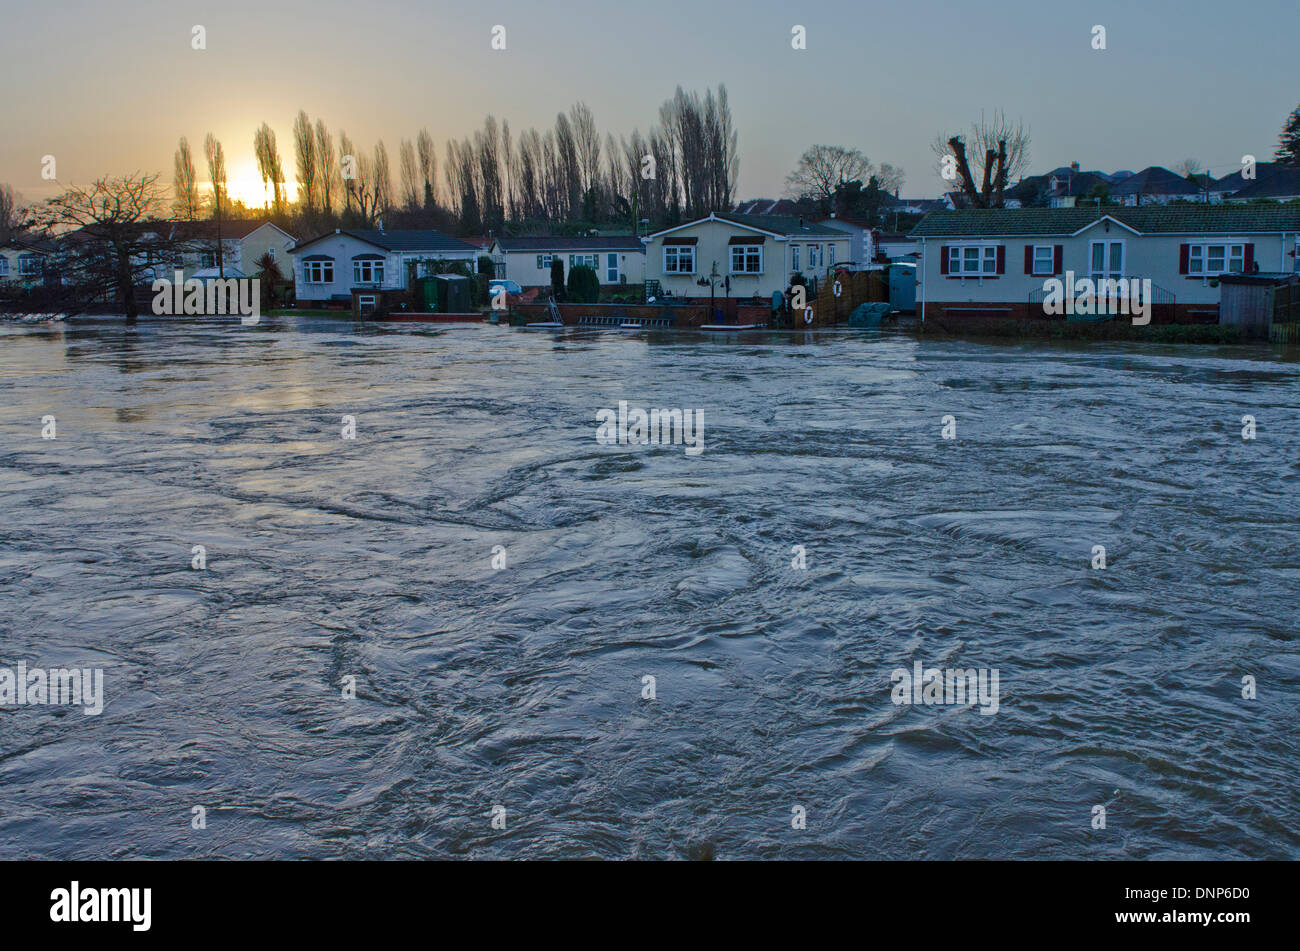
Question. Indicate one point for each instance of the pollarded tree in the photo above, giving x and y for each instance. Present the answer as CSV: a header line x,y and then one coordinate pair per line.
x,y
1001,153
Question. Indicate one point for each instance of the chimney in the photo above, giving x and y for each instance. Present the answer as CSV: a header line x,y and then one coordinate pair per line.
x,y
1074,167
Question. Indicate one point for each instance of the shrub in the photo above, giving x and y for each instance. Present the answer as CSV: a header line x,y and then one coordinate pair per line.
x,y
584,285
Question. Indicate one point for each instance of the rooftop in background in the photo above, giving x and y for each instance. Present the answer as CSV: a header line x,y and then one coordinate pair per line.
x,y
1278,181
1161,219
410,241
603,242
1155,180
767,206
231,230
779,224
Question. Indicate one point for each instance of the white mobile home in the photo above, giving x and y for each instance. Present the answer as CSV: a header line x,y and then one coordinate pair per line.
x,y
995,262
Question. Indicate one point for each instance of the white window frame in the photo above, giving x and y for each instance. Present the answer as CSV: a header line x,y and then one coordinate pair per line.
x,y
374,265
794,257
984,260
544,262
1199,255
673,258
1036,269
29,265
4,266
1108,270
318,272
830,251
583,260
746,252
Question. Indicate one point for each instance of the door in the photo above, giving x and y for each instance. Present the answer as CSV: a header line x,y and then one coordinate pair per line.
x,y
1107,260
611,268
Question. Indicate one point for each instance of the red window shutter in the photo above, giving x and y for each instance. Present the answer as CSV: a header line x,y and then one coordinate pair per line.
x,y
943,259
1184,253
1002,259
1029,259
1058,259
1248,259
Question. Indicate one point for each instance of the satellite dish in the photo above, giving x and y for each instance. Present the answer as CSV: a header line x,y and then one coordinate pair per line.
x,y
650,300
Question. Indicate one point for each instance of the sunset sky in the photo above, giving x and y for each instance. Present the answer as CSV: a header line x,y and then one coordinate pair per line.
x,y
108,88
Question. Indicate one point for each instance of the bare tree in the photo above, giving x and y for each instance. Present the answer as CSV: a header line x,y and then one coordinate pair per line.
x,y
1001,150
824,168
304,153
268,163
428,167
890,178
487,153
185,183
216,157
348,170
327,169
111,225
410,172
383,180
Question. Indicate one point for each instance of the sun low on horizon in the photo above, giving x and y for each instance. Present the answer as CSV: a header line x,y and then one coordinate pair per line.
x,y
244,184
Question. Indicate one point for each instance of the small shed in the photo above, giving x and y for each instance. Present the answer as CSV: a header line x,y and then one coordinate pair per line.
x,y
1254,303
453,293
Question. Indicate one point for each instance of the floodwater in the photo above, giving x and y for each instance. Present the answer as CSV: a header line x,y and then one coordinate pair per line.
x,y
369,561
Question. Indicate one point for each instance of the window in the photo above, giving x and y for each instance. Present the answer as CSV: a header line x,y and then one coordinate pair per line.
x,y
1044,262
1106,260
318,272
4,266
794,257
582,260
679,259
1210,260
368,271
746,259
830,254
814,255
29,265
207,259
544,262
972,260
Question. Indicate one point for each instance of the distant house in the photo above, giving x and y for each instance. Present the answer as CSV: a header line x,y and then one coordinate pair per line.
x,y
341,264
752,254
995,261
24,261
1155,186
862,249
892,246
243,244
1272,181
616,259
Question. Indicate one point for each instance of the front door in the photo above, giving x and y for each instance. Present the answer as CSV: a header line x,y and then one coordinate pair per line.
x,y
1107,260
611,268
